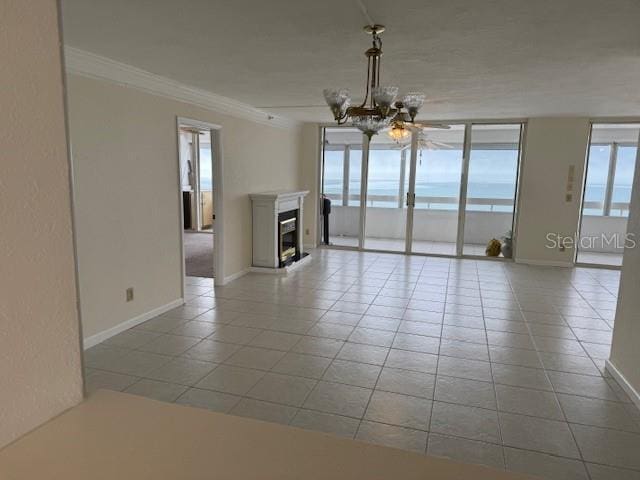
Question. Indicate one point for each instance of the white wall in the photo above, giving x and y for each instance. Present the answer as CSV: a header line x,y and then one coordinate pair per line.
x,y
128,205
625,349
309,154
552,145
40,364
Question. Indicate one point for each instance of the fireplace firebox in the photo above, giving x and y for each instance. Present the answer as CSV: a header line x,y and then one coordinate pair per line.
x,y
288,237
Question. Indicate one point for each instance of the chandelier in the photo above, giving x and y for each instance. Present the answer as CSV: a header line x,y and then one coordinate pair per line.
x,y
380,107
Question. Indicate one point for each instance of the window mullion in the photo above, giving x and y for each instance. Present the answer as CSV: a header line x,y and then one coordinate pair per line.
x,y
613,157
345,175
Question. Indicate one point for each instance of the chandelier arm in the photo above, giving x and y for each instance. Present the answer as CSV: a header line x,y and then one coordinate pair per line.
x,y
366,94
378,44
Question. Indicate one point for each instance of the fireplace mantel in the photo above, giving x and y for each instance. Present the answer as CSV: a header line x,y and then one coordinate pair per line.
x,y
266,206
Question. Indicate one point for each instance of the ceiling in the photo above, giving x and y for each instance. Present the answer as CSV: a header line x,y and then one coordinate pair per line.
x,y
473,59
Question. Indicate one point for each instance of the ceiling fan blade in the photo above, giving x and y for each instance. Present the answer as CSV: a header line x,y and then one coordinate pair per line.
x,y
441,144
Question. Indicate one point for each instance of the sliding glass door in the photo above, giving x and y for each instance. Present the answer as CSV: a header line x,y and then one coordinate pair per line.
x,y
387,184
439,159
341,185
611,164
445,190
492,177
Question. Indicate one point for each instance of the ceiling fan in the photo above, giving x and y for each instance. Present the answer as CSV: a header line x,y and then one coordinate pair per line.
x,y
401,129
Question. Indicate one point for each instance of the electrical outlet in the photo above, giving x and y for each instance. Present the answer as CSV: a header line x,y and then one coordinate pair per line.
x,y
306,231
130,294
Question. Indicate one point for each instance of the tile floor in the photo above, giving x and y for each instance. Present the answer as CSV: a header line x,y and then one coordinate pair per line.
x,y
485,362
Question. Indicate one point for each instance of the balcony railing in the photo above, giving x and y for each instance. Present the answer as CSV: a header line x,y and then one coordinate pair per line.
x,y
616,209
429,202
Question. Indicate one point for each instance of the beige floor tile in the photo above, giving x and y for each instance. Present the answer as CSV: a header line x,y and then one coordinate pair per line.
x,y
283,389
269,412
97,379
397,409
602,472
254,357
467,422
275,340
216,401
416,343
465,392
463,368
536,403
165,392
608,447
467,451
132,339
339,399
392,436
599,413
406,382
363,353
538,434
371,336
301,365
169,345
326,422
211,351
183,371
544,466
352,373
230,379
419,362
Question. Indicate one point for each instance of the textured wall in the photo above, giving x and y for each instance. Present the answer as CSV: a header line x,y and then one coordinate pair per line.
x,y
309,155
552,144
40,373
625,349
124,145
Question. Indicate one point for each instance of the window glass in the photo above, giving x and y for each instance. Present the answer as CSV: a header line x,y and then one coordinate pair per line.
x,y
333,174
383,185
596,184
355,173
623,180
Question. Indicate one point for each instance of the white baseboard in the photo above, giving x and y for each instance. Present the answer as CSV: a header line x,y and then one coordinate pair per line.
x,y
634,395
233,276
132,322
545,263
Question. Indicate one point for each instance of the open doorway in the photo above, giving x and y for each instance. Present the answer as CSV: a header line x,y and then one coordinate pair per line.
x,y
198,183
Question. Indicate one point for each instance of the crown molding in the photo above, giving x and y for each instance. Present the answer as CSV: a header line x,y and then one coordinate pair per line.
x,y
87,64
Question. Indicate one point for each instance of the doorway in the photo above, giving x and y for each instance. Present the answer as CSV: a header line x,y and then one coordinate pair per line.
x,y
198,184
446,190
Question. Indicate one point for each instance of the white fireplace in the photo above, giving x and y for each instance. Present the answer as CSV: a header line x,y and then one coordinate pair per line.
x,y
277,230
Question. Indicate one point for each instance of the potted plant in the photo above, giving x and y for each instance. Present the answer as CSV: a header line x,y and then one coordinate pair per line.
x,y
507,245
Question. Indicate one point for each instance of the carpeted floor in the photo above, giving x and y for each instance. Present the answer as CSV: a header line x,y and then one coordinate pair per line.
x,y
198,253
